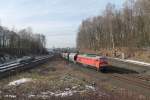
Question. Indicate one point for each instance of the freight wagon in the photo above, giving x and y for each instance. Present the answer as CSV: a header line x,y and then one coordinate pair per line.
x,y
65,55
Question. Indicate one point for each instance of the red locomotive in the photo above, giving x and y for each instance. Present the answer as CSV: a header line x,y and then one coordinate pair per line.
x,y
95,61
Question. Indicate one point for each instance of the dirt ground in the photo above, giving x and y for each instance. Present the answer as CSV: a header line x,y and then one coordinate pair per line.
x,y
61,80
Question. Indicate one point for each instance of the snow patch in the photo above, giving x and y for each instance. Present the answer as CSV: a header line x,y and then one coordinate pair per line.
x,y
74,87
90,87
70,92
10,96
20,81
65,93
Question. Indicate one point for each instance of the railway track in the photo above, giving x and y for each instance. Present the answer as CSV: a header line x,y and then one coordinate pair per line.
x,y
8,68
146,78
138,81
131,79
143,77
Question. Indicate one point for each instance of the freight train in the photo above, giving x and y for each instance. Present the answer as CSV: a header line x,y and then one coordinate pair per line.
x,y
98,62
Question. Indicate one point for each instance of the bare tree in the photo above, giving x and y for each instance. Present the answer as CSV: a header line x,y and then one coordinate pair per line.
x,y
117,28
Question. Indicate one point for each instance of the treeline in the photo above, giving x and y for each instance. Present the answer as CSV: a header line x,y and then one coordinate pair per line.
x,y
23,42
127,27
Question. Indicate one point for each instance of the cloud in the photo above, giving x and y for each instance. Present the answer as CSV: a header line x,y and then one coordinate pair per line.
x,y
57,19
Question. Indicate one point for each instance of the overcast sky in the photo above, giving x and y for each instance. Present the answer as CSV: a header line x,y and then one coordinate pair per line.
x,y
58,20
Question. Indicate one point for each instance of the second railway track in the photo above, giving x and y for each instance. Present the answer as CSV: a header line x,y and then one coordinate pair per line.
x,y
9,68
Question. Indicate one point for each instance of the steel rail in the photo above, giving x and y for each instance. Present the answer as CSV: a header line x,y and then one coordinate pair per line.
x,y
6,68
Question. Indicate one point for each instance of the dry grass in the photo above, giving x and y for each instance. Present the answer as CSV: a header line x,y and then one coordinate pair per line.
x,y
59,76
50,77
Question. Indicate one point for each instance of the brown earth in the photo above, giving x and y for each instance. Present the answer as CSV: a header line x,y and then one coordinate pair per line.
x,y
58,75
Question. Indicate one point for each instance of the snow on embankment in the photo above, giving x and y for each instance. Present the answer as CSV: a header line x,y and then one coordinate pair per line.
x,y
133,65
132,61
138,62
